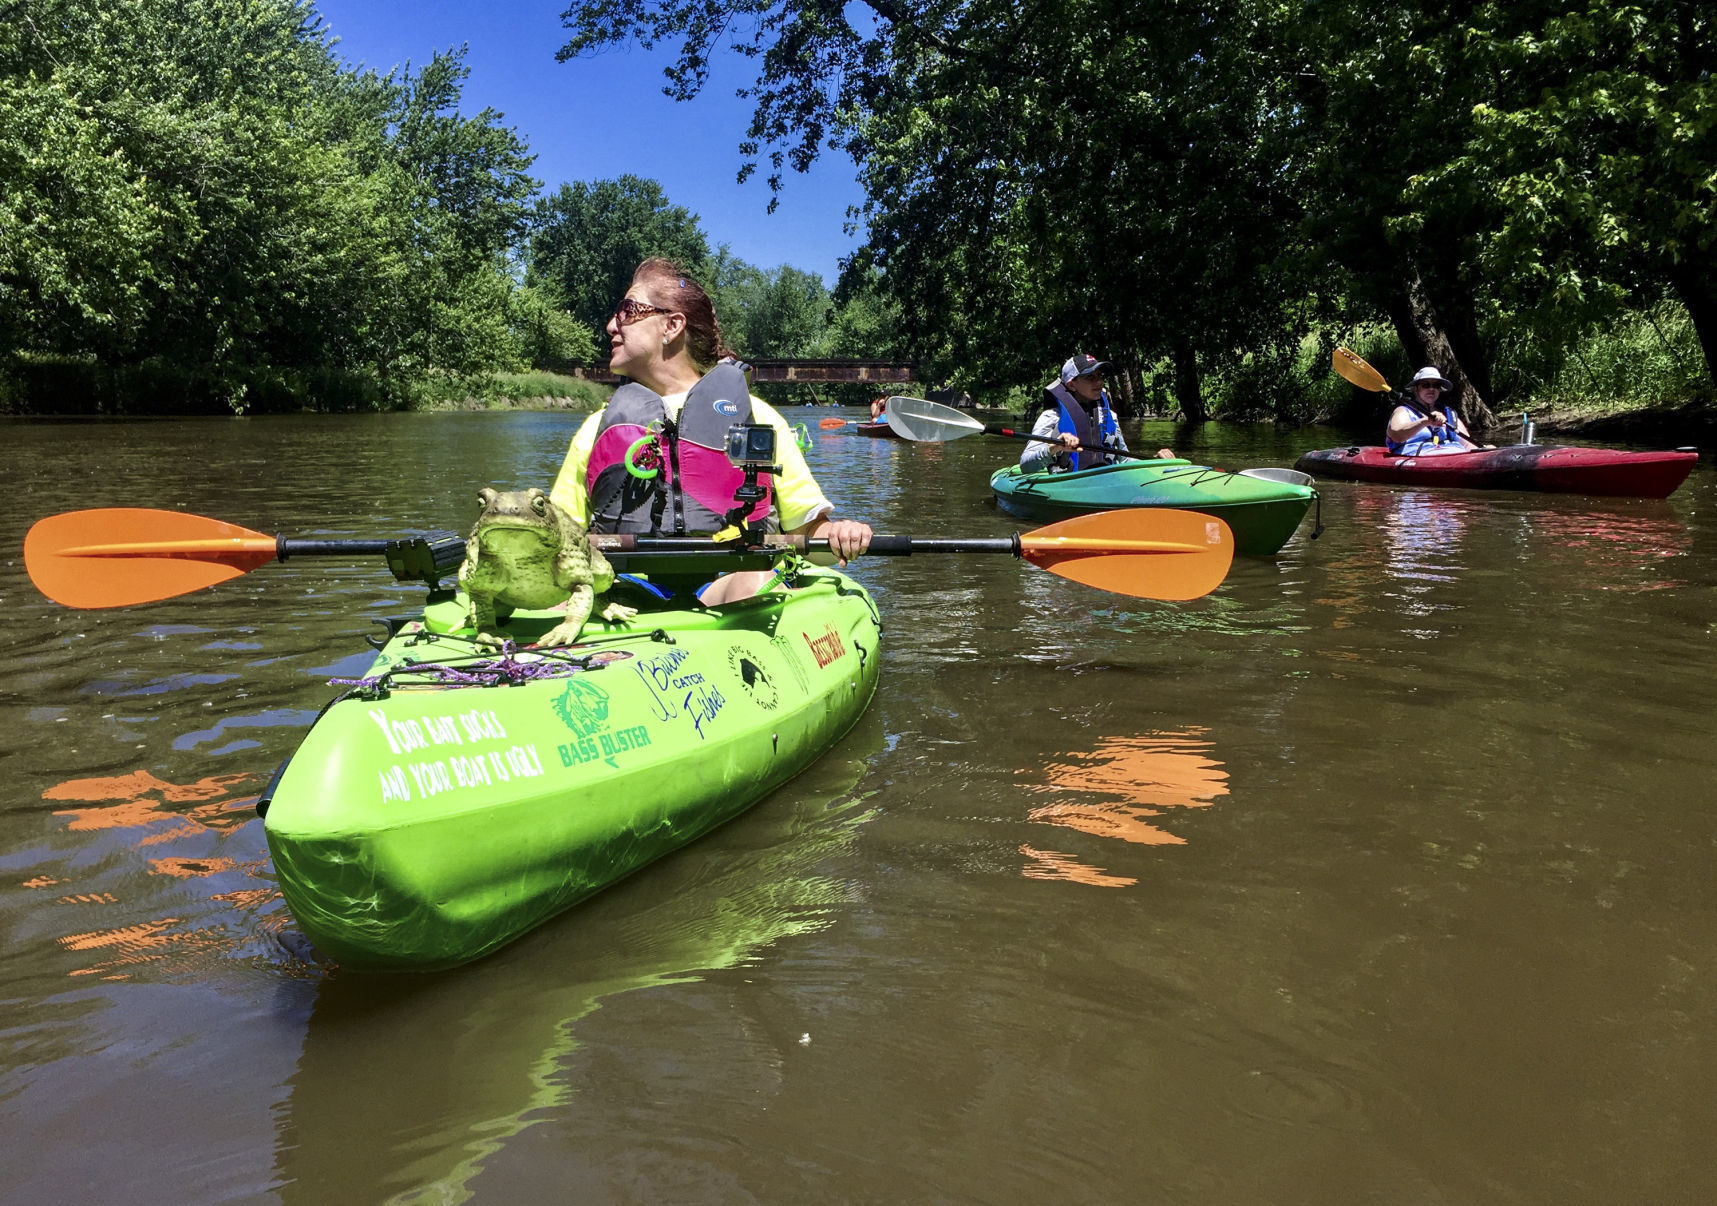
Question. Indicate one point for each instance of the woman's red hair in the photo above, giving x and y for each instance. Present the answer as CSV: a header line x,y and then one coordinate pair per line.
x,y
666,285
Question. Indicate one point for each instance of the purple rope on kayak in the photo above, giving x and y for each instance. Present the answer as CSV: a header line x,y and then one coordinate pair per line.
x,y
506,669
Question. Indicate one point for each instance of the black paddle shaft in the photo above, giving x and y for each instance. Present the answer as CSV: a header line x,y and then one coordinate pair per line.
x,y
427,558
880,545
437,555
1010,433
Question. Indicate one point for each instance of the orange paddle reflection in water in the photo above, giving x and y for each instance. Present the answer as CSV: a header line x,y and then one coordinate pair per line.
x,y
140,800
1149,773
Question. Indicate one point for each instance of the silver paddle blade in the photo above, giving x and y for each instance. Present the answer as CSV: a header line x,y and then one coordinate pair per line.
x,y
928,422
1288,477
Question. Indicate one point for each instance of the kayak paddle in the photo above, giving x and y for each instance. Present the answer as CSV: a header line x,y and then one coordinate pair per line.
x,y
933,423
116,557
1354,369
1347,365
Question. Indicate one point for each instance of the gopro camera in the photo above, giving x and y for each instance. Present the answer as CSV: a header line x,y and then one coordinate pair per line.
x,y
751,446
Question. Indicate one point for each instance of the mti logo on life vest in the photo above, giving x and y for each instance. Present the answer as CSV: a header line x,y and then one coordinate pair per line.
x,y
724,406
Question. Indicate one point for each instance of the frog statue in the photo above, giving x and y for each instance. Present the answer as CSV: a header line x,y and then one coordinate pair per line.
x,y
527,552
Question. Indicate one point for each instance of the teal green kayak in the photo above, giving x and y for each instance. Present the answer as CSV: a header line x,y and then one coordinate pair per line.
x,y
1262,512
452,799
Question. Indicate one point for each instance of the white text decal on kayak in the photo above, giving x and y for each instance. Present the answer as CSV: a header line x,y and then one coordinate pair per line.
x,y
405,736
674,692
480,768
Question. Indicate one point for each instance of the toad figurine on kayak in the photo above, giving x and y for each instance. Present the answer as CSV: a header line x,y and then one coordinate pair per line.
x,y
526,552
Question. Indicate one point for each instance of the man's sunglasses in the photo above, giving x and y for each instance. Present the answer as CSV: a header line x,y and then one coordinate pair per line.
x,y
630,311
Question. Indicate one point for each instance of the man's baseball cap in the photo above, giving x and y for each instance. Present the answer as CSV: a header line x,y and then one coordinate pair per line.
x,y
1082,366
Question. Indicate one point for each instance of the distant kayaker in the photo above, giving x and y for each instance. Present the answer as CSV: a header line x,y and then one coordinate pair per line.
x,y
1425,425
672,417
877,407
1076,411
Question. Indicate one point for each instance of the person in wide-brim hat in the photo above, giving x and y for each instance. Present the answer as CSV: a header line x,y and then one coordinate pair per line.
x,y
1425,424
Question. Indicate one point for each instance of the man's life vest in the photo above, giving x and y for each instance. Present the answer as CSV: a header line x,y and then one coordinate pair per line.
x,y
691,489
1077,421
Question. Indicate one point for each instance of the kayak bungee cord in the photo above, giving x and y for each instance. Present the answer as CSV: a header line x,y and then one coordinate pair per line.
x,y
509,668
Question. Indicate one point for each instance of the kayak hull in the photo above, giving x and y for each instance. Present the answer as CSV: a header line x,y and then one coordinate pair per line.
x,y
1262,513
430,824
880,431
1549,468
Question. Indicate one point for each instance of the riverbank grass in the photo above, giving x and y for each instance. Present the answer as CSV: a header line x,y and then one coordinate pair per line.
x,y
533,390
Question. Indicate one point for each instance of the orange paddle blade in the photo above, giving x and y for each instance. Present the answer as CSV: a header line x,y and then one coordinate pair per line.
x,y
123,555
831,424
1347,365
1149,552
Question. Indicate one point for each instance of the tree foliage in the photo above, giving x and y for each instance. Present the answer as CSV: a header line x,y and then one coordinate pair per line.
x,y
1197,186
199,182
589,238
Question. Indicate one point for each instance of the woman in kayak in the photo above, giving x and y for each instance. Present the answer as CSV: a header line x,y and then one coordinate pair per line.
x,y
1426,425
685,391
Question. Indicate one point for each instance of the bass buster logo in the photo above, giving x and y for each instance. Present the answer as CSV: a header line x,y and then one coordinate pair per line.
x,y
753,678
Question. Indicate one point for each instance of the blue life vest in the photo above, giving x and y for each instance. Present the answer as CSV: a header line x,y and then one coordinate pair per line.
x,y
692,488
1425,438
1076,421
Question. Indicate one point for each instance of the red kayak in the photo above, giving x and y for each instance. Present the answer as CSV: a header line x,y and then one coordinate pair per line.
x,y
1550,468
881,430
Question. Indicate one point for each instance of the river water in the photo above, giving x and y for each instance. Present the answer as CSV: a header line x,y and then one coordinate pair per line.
x,y
1384,873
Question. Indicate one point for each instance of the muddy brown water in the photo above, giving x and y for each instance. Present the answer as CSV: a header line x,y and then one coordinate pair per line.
x,y
1384,873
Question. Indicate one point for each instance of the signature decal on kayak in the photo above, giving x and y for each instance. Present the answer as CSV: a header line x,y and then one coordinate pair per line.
x,y
424,779
675,689
752,677
583,708
792,657
827,647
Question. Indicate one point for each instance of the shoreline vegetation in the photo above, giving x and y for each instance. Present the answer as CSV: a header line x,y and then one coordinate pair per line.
x,y
159,391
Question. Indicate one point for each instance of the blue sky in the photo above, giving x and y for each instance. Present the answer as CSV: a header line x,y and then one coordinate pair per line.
x,y
597,118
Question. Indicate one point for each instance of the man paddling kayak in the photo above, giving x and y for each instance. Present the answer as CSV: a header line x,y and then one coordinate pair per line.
x,y
1076,411
652,462
1425,425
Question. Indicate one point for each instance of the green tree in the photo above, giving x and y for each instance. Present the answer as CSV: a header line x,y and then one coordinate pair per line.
x,y
782,313
589,238
1600,138
547,337
866,323
199,183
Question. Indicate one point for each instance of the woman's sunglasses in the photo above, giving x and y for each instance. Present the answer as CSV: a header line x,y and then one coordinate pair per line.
x,y
630,311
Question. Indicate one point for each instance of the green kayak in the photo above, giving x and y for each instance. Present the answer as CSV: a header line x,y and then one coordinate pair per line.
x,y
1262,511
452,799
